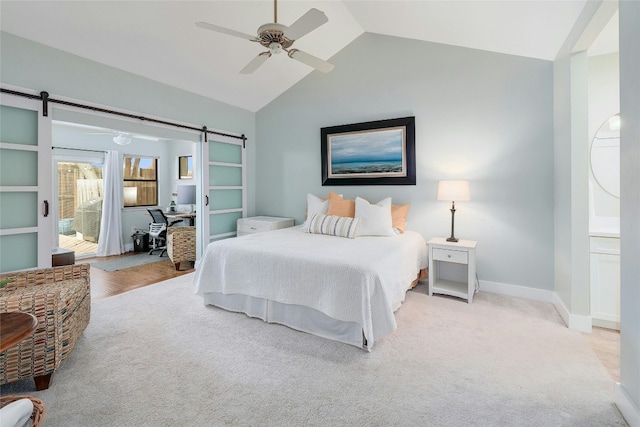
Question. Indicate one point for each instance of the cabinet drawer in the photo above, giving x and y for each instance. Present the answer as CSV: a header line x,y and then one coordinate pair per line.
x,y
448,255
605,245
254,226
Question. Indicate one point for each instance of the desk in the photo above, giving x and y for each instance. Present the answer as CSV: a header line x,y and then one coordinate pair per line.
x,y
14,327
191,216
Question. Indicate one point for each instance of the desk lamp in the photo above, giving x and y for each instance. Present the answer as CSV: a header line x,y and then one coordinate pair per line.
x,y
454,191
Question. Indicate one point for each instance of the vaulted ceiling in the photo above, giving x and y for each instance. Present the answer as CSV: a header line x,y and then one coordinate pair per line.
x,y
159,39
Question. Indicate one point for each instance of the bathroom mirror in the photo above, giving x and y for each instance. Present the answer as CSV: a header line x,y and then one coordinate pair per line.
x,y
605,156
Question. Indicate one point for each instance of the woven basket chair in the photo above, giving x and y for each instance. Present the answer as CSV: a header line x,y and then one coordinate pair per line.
x,y
181,245
60,298
39,410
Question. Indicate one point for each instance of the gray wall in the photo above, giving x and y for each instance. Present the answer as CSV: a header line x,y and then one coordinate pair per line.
x,y
604,102
630,207
480,116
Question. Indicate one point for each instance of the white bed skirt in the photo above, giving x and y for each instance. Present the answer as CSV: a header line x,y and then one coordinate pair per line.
x,y
297,317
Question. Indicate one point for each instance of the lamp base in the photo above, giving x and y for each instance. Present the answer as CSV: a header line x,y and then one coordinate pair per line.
x,y
452,239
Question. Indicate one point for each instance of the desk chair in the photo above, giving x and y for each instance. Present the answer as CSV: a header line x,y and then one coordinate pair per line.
x,y
158,230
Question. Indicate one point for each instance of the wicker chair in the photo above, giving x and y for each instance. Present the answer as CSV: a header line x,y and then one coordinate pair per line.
x,y
60,298
39,410
181,244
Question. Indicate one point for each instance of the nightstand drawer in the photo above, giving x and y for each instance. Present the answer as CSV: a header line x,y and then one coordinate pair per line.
x,y
448,255
254,226
259,224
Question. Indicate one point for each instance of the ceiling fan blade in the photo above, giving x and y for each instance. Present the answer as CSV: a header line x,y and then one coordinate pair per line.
x,y
311,60
224,30
255,63
305,24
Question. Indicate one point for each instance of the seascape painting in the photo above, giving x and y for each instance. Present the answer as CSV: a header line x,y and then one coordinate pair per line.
x,y
374,153
369,153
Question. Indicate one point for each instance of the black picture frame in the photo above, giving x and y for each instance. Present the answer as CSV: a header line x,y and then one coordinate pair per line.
x,y
379,152
185,167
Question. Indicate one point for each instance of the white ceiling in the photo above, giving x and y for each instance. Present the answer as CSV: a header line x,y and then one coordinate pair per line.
x,y
158,39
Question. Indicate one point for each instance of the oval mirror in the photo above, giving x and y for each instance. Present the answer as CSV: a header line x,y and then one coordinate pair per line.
x,y
605,156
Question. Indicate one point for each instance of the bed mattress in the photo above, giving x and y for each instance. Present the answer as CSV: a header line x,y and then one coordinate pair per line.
x,y
358,282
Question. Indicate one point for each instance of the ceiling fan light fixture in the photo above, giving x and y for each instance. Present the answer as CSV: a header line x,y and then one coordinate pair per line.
x,y
275,48
122,140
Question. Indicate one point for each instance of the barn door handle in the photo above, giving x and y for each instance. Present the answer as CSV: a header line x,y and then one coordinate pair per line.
x,y
206,200
46,208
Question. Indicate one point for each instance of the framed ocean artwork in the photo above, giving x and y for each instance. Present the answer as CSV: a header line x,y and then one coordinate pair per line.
x,y
371,153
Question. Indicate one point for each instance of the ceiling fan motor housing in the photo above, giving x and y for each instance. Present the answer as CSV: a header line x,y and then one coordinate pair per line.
x,y
268,34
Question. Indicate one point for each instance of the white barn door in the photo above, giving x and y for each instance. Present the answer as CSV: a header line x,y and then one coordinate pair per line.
x,y
26,190
222,189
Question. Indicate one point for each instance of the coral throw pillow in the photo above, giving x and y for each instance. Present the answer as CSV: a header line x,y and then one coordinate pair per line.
x,y
341,207
399,216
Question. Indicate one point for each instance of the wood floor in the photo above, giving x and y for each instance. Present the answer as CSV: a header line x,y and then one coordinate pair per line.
x,y
604,342
108,283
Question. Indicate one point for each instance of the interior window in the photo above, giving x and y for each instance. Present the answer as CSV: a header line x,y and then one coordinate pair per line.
x,y
140,186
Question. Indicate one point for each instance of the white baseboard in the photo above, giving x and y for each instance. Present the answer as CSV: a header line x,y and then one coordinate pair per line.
x,y
573,321
517,291
627,407
128,247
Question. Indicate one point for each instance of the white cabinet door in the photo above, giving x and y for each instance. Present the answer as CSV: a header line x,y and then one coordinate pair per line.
x,y
605,282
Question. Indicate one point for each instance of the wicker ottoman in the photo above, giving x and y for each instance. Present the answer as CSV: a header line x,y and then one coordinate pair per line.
x,y
181,244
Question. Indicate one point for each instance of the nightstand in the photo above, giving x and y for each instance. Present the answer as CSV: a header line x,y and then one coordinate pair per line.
x,y
258,224
461,253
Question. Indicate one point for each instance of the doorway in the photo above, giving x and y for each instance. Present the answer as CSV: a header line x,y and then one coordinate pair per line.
x,y
79,190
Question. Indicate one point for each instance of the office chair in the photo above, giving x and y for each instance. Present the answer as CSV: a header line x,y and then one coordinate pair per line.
x,y
158,230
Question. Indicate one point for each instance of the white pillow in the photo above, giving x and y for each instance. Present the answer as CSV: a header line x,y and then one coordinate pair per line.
x,y
375,220
315,205
331,225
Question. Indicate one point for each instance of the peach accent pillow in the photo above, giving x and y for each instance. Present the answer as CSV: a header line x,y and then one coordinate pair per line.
x,y
399,216
341,207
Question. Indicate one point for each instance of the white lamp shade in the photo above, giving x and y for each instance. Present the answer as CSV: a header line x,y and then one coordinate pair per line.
x,y
454,191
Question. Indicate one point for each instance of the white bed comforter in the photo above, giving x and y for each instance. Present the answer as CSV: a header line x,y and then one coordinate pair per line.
x,y
362,280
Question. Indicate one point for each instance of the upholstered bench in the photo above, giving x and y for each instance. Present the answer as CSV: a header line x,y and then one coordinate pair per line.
x,y
60,298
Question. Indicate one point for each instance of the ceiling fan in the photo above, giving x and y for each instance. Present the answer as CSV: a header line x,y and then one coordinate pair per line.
x,y
278,38
125,138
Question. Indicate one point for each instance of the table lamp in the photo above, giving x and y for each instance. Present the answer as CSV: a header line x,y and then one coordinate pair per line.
x,y
454,191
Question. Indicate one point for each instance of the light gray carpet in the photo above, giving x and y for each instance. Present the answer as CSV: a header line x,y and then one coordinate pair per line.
x,y
157,357
120,263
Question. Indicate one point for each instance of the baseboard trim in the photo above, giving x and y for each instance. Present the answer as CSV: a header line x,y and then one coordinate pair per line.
x,y
517,291
573,321
629,410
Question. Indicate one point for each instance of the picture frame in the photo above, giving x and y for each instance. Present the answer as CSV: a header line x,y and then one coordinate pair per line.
x,y
185,167
379,152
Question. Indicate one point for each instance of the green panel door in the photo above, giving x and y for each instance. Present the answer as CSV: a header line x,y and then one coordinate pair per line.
x,y
25,241
224,182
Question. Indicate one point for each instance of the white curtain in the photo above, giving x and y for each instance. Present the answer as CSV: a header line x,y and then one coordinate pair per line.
x,y
110,241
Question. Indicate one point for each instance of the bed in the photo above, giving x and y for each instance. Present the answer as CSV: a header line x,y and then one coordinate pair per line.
x,y
337,288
